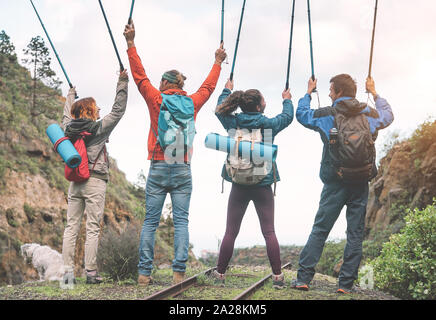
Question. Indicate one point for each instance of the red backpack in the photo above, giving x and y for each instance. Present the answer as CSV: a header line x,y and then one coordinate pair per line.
x,y
80,173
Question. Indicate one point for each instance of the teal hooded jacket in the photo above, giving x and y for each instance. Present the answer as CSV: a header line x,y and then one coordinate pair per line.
x,y
256,120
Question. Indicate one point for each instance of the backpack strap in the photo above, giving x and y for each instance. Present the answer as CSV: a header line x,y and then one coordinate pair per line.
x,y
55,147
274,176
222,186
98,156
155,145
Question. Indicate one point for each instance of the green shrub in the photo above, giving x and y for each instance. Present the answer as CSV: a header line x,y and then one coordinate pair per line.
x,y
30,212
407,263
118,254
423,137
331,255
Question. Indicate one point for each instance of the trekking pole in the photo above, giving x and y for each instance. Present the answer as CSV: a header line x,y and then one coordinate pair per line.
x,y
222,21
131,12
311,48
222,29
290,46
112,37
372,40
237,41
52,46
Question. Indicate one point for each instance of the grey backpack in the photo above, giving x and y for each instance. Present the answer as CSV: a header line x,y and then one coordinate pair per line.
x,y
352,150
242,169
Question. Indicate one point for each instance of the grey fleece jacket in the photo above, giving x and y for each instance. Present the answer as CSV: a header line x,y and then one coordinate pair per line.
x,y
97,142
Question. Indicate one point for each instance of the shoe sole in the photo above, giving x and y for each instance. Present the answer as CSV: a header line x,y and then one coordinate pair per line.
x,y
342,291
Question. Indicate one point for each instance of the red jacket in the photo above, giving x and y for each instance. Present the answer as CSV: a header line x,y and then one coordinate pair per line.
x,y
153,98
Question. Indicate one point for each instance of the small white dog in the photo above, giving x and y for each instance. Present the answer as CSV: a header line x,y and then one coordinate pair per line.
x,y
48,262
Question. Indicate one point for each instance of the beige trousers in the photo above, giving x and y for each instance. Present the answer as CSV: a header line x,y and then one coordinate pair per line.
x,y
84,197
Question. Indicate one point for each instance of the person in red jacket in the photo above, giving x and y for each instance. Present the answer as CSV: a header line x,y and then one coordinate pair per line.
x,y
164,176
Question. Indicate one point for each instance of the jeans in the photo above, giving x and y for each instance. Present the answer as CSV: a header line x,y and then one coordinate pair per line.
x,y
176,180
333,198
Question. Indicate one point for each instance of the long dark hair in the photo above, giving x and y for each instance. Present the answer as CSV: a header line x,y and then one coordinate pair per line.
x,y
248,101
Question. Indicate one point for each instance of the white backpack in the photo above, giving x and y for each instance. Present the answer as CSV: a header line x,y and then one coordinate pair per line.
x,y
241,168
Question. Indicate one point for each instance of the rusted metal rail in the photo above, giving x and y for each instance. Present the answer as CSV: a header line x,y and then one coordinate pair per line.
x,y
248,292
178,288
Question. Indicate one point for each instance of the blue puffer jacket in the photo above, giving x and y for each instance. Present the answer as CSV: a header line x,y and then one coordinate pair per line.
x,y
322,120
256,120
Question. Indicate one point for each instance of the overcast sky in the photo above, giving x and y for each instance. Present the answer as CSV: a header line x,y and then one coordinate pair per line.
x,y
184,37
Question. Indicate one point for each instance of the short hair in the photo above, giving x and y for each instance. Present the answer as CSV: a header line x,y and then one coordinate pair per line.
x,y
84,108
343,82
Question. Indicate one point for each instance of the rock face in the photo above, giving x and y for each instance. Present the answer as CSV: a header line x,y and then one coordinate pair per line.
x,y
406,177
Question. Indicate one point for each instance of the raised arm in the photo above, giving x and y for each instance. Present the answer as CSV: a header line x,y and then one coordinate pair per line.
x,y
66,118
205,91
386,116
108,123
284,119
227,120
147,90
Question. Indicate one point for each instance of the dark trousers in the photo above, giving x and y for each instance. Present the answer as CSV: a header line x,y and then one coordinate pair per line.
x,y
263,199
334,197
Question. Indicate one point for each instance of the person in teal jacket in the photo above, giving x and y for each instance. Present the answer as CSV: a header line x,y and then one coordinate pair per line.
x,y
252,105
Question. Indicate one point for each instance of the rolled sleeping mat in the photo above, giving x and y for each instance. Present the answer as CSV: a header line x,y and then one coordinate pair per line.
x,y
63,146
266,152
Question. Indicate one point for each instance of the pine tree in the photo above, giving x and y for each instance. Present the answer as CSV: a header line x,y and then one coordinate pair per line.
x,y
7,52
39,60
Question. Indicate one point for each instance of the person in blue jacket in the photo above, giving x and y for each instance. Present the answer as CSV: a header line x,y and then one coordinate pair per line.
x,y
336,193
252,105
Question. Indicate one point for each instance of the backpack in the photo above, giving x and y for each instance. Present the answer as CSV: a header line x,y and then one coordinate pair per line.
x,y
352,148
176,125
81,173
243,170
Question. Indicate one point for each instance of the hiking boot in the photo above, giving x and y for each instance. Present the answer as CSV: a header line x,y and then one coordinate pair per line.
x,y
344,291
92,277
218,278
278,281
299,285
144,280
178,277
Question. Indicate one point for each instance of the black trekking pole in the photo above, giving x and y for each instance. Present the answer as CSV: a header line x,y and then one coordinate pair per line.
x,y
237,41
372,40
311,47
112,37
52,46
131,12
290,46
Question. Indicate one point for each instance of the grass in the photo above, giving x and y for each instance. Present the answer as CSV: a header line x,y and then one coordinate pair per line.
x,y
238,278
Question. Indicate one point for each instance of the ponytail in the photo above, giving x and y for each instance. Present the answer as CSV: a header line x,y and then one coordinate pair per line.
x,y
230,104
248,101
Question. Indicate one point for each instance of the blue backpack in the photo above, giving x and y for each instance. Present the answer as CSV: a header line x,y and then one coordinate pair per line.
x,y
176,125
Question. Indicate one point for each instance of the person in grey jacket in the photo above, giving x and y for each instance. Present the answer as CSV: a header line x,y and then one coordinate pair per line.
x,y
89,195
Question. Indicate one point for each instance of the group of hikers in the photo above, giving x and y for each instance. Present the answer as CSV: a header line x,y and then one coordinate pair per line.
x,y
348,130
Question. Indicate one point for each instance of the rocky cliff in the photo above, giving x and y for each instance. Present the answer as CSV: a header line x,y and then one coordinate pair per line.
x,y
406,179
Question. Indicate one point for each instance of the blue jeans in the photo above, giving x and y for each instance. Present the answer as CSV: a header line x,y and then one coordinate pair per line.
x,y
334,197
176,180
